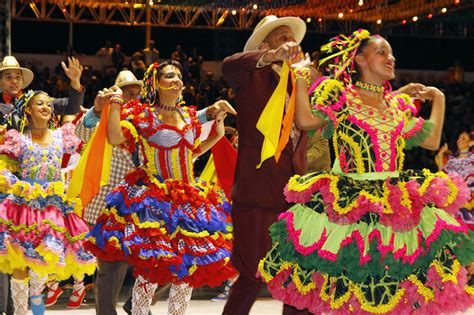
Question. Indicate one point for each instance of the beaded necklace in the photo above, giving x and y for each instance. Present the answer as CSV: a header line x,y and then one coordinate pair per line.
x,y
370,87
165,107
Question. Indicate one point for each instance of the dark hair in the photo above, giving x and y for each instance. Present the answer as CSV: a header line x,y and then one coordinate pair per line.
x,y
24,101
469,132
355,76
154,72
169,62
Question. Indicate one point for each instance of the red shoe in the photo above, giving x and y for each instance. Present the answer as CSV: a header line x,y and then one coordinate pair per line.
x,y
53,295
76,298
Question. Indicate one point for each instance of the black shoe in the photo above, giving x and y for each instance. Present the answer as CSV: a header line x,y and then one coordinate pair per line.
x,y
127,307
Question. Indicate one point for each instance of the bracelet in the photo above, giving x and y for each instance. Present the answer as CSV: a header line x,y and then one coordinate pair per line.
x,y
302,73
208,115
117,98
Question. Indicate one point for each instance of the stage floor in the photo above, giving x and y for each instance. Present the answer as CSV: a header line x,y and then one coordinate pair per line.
x,y
263,306
200,304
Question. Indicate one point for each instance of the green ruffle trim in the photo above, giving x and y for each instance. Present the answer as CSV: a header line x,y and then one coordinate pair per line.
x,y
328,130
420,136
348,257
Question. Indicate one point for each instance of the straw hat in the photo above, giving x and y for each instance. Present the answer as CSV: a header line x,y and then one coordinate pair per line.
x,y
271,22
125,78
10,62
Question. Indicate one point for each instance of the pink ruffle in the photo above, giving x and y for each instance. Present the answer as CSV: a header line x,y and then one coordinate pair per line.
x,y
401,218
438,192
448,296
70,140
12,214
416,128
13,144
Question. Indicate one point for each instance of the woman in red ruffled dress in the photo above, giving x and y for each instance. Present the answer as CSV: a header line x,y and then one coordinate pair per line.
x,y
169,226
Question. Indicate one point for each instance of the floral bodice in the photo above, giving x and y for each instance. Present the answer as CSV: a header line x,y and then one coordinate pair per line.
x,y
463,167
40,163
168,150
366,139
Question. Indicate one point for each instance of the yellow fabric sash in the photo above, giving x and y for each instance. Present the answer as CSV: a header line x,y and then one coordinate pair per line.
x,y
270,121
95,160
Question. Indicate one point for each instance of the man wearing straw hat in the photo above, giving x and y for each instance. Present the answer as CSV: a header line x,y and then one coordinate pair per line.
x,y
258,183
13,79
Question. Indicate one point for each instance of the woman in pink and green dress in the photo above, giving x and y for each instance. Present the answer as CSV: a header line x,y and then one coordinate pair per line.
x,y
369,236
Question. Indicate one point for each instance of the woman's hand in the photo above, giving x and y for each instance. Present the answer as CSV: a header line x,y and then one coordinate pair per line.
x,y
220,128
412,89
430,93
444,150
107,94
219,106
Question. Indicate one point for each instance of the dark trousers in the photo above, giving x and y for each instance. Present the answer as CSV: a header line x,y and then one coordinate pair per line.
x,y
251,243
4,288
110,276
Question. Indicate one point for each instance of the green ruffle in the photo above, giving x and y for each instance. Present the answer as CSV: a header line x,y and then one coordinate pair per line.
x,y
420,136
376,289
348,257
328,129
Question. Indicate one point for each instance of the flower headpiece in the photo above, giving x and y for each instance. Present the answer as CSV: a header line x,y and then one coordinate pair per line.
x,y
148,92
343,50
20,105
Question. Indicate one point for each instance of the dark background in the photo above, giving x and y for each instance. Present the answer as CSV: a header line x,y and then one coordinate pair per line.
x,y
48,37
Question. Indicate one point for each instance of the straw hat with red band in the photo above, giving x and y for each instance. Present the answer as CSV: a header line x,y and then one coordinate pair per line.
x,y
125,78
271,22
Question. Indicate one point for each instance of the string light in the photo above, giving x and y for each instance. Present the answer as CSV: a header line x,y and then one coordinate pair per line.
x,y
361,3
444,10
320,20
150,3
404,22
415,18
430,16
379,21
255,6
234,12
456,1
340,15
308,20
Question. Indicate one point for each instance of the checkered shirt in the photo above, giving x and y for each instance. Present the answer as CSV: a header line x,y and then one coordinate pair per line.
x,y
121,165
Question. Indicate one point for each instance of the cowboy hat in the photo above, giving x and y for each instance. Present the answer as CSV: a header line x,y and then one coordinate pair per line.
x,y
125,78
271,22
10,62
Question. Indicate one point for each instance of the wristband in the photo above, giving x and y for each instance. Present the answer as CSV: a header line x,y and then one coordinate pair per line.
x,y
117,99
302,73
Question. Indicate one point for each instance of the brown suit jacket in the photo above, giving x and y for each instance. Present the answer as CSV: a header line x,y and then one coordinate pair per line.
x,y
258,188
